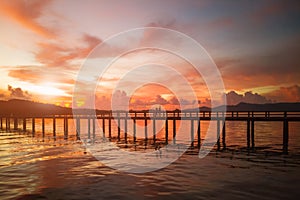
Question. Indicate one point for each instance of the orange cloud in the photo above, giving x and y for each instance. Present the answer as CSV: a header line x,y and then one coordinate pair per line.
x,y
285,94
58,55
26,13
38,74
234,98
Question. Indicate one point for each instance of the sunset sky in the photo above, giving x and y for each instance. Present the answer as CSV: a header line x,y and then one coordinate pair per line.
x,y
255,45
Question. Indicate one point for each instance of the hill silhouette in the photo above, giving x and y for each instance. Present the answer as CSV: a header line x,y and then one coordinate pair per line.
x,y
275,107
24,108
20,108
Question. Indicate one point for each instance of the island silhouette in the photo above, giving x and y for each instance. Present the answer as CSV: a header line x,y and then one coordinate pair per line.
x,y
25,108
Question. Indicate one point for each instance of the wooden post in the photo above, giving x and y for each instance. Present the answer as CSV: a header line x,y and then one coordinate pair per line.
x,y
248,133
167,130
119,129
94,128
224,135
43,127
89,128
146,126
54,127
192,133
125,126
252,132
134,128
103,126
66,127
78,128
109,127
199,132
6,124
218,133
1,123
24,124
33,126
174,131
15,124
285,134
154,129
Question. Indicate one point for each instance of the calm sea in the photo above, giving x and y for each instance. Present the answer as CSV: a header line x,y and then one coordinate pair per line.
x,y
44,168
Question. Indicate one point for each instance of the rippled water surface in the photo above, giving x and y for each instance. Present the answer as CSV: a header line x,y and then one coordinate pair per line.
x,y
33,168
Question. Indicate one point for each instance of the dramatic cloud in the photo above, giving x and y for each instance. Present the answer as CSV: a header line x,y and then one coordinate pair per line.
x,y
91,41
18,93
250,71
160,100
27,13
234,98
174,101
286,94
255,45
59,55
26,73
120,100
40,75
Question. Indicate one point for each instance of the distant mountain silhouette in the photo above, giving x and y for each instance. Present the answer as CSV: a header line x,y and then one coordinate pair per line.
x,y
264,107
19,108
25,108
22,108
277,107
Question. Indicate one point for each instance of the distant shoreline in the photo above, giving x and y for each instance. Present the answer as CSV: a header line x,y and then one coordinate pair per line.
x,y
18,107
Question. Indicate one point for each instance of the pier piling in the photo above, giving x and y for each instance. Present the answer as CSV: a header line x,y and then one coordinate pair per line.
x,y
252,132
15,124
109,127
134,130
174,131
33,126
103,127
198,132
89,128
43,127
224,136
285,134
167,130
119,128
154,129
24,124
146,126
94,128
66,128
192,133
125,127
218,134
54,127
77,128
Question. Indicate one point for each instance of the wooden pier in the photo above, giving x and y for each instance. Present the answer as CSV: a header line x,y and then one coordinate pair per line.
x,y
168,117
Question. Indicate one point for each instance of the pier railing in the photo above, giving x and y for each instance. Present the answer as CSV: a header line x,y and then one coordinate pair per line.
x,y
250,117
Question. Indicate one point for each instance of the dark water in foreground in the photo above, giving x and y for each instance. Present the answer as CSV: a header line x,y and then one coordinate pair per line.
x,y
32,169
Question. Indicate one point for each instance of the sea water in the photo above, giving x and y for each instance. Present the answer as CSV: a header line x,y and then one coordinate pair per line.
x,y
44,168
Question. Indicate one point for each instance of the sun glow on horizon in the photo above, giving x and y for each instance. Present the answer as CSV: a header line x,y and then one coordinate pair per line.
x,y
46,90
